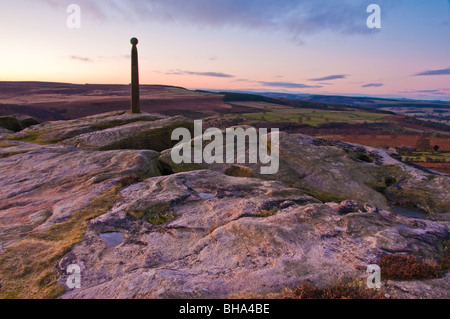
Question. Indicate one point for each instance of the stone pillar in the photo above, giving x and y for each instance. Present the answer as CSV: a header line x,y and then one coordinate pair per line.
x,y
135,102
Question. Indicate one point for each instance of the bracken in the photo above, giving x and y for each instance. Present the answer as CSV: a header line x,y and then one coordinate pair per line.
x,y
401,267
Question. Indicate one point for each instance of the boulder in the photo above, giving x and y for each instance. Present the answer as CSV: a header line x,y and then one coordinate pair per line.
x,y
203,234
44,185
57,131
153,135
334,171
98,199
17,123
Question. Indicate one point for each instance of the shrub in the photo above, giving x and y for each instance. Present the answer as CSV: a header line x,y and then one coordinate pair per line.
x,y
406,267
344,290
423,144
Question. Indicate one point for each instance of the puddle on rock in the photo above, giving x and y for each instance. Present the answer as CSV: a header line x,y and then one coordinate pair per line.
x,y
207,195
410,212
112,239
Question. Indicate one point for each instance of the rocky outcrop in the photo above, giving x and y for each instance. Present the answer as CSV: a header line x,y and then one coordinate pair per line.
x,y
109,131
45,185
17,123
57,131
154,135
249,236
336,171
141,226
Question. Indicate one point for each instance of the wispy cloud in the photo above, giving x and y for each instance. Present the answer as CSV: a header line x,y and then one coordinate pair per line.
x,y
211,74
428,91
243,80
435,72
432,92
296,18
289,85
80,58
94,8
329,78
372,85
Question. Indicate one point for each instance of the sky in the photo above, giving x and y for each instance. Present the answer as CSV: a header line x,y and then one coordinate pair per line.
x,y
292,46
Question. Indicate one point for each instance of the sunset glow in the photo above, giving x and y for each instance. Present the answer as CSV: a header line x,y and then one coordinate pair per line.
x,y
282,46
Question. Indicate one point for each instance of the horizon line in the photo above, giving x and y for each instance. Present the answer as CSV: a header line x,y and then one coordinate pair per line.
x,y
257,91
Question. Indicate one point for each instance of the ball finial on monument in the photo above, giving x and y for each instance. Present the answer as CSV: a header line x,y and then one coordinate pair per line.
x,y
135,102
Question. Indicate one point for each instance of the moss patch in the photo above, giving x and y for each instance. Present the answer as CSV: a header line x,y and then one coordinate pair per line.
x,y
382,184
240,171
5,144
266,213
28,268
156,215
32,136
324,196
161,218
9,154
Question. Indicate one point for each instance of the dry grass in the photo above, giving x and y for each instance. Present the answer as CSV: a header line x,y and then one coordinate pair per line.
x,y
32,136
28,268
343,290
401,267
5,144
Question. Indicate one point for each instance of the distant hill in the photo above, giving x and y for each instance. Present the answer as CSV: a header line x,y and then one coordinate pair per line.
x,y
63,101
363,120
375,102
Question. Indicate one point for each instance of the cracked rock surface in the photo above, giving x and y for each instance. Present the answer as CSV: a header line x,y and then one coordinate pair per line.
x,y
219,230
220,246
